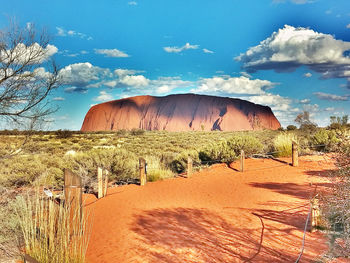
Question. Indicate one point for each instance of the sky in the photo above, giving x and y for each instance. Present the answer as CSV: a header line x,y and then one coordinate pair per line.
x,y
291,55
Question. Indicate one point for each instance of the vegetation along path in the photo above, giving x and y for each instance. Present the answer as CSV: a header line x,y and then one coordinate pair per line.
x,y
217,215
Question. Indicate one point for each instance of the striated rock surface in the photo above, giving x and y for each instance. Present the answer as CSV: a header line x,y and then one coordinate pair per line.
x,y
180,112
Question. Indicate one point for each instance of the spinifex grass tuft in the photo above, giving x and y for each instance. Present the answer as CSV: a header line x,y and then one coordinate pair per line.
x,y
53,232
283,144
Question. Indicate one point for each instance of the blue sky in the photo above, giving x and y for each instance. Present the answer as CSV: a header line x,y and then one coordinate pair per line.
x,y
291,55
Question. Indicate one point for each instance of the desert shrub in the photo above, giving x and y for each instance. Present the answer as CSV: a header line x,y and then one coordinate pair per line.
x,y
247,143
63,134
121,164
179,164
156,170
217,153
283,144
137,132
324,139
52,232
122,133
291,128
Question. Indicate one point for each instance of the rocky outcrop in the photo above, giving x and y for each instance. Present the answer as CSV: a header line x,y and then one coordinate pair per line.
x,y
180,112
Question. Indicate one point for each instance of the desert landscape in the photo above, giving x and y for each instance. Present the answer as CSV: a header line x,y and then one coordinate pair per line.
x,y
174,131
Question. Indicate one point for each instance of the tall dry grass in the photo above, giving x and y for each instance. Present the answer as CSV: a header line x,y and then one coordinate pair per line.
x,y
283,144
53,233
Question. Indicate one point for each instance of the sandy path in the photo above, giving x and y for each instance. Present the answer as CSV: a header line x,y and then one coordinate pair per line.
x,y
218,215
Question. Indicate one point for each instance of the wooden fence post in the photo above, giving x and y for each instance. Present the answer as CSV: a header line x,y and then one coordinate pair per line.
x,y
242,161
315,214
142,168
295,161
72,190
189,166
100,183
106,183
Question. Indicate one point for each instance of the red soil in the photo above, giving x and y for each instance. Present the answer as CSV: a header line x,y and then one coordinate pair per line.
x,y
218,215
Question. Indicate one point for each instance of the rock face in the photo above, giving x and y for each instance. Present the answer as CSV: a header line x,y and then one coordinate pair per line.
x,y
181,112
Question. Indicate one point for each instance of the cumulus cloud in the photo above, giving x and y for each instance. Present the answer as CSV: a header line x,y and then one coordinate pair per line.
x,y
308,75
35,54
290,48
207,51
114,53
331,97
276,102
71,33
234,85
132,3
180,49
122,72
134,80
103,96
348,26
82,74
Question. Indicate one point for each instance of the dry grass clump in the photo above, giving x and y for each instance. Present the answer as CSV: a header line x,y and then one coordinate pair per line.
x,y
52,233
156,170
283,144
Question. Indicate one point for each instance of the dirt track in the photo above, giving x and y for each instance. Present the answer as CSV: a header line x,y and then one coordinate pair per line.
x,y
218,215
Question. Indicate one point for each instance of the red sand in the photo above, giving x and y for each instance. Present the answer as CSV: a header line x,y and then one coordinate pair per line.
x,y
218,215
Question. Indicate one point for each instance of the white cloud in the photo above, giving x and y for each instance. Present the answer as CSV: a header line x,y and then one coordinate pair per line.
x,y
164,89
207,51
58,99
180,49
331,97
329,109
348,26
34,53
71,33
114,53
276,102
132,3
82,74
308,75
84,52
290,48
111,83
233,85
122,72
305,101
103,96
134,80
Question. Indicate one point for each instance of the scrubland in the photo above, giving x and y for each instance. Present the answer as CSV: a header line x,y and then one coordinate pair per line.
x,y
37,159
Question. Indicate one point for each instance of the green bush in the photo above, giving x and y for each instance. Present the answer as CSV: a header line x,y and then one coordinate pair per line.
x,y
247,143
137,132
217,153
121,164
63,134
291,128
283,144
324,139
179,164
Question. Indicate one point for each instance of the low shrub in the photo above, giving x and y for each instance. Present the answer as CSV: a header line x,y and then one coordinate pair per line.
x,y
63,134
324,139
291,128
156,170
179,163
219,152
137,132
283,144
247,143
